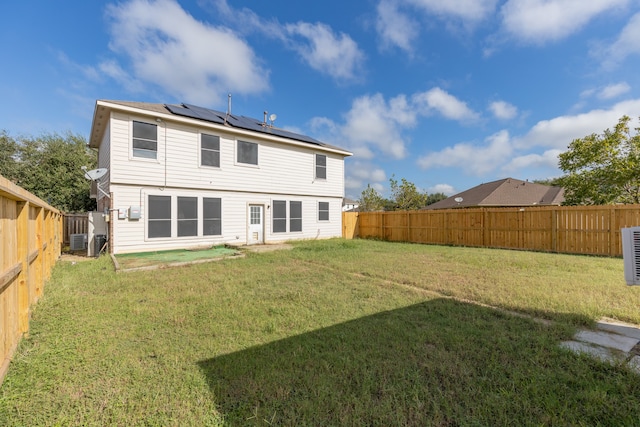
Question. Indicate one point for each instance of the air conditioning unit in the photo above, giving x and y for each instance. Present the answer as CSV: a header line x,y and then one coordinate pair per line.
x,y
78,242
631,254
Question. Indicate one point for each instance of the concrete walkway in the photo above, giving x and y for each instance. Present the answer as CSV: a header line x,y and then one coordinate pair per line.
x,y
613,342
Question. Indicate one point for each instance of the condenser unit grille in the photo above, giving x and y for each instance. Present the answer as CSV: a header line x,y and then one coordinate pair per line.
x,y
631,254
78,242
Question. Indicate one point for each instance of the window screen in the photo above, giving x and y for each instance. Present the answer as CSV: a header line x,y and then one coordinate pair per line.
x,y
187,216
295,216
247,152
279,216
212,216
159,214
145,140
321,166
323,211
209,150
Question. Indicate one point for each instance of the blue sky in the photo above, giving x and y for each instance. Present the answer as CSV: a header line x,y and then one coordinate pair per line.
x,y
447,94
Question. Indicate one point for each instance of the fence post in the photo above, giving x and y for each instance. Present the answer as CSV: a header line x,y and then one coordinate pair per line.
x,y
22,231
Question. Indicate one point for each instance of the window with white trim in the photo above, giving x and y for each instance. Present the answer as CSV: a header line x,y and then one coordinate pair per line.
x,y
212,216
279,216
209,150
323,211
187,216
321,166
145,140
159,217
295,216
247,152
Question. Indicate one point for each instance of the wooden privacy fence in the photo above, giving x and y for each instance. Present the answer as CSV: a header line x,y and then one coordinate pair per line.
x,y
74,224
592,230
30,240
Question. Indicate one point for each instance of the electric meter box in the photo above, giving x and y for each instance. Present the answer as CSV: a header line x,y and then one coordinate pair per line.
x,y
134,212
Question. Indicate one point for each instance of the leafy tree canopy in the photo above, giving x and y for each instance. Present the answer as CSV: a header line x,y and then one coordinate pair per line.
x,y
49,166
370,200
603,168
404,196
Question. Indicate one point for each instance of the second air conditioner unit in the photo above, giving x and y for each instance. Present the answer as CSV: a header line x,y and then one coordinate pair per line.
x,y
631,254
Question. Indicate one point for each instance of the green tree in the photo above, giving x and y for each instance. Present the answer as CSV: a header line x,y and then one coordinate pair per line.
x,y
603,168
405,196
370,200
8,156
548,181
49,166
435,197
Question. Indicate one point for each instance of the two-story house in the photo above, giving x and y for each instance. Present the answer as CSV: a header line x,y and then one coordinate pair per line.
x,y
181,176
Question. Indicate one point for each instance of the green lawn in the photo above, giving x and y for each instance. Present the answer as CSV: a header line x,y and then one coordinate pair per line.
x,y
330,333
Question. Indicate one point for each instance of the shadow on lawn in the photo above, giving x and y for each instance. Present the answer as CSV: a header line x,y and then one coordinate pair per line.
x,y
440,362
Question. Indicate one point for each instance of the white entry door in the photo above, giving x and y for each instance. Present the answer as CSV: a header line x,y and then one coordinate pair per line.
x,y
256,227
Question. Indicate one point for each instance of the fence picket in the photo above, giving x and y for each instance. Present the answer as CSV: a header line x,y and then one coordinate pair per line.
x,y
588,230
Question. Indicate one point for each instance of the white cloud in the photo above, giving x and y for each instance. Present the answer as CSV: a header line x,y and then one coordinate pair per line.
x,y
541,21
167,47
560,131
548,159
360,174
328,52
469,11
395,28
503,110
607,92
374,125
614,90
627,43
372,122
475,159
446,189
444,103
334,54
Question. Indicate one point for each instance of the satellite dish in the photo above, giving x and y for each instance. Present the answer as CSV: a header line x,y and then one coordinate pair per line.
x,y
95,174
458,199
273,118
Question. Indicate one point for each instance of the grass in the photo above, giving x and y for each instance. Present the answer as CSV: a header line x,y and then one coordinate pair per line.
x,y
330,333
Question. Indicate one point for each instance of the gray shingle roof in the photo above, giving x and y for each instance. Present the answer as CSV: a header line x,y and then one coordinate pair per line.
x,y
504,192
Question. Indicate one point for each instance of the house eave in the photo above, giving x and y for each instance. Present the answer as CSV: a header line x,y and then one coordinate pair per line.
x,y
103,111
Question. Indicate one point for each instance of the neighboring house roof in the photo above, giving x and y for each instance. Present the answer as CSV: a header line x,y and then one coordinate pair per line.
x,y
187,112
504,192
347,201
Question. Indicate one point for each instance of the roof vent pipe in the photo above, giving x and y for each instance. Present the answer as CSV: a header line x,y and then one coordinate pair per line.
x,y
228,108
264,121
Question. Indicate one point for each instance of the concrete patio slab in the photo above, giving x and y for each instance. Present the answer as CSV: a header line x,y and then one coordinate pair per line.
x,y
607,339
595,351
619,328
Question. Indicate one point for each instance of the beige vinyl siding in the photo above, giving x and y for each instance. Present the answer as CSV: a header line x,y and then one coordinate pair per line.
x,y
282,168
132,234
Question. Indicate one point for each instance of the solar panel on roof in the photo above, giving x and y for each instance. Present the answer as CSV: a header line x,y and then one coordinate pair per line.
x,y
206,114
240,122
180,111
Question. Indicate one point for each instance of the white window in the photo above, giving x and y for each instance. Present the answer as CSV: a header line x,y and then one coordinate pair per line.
x,y
279,216
247,152
212,216
209,150
295,216
159,214
187,216
323,211
145,140
321,166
